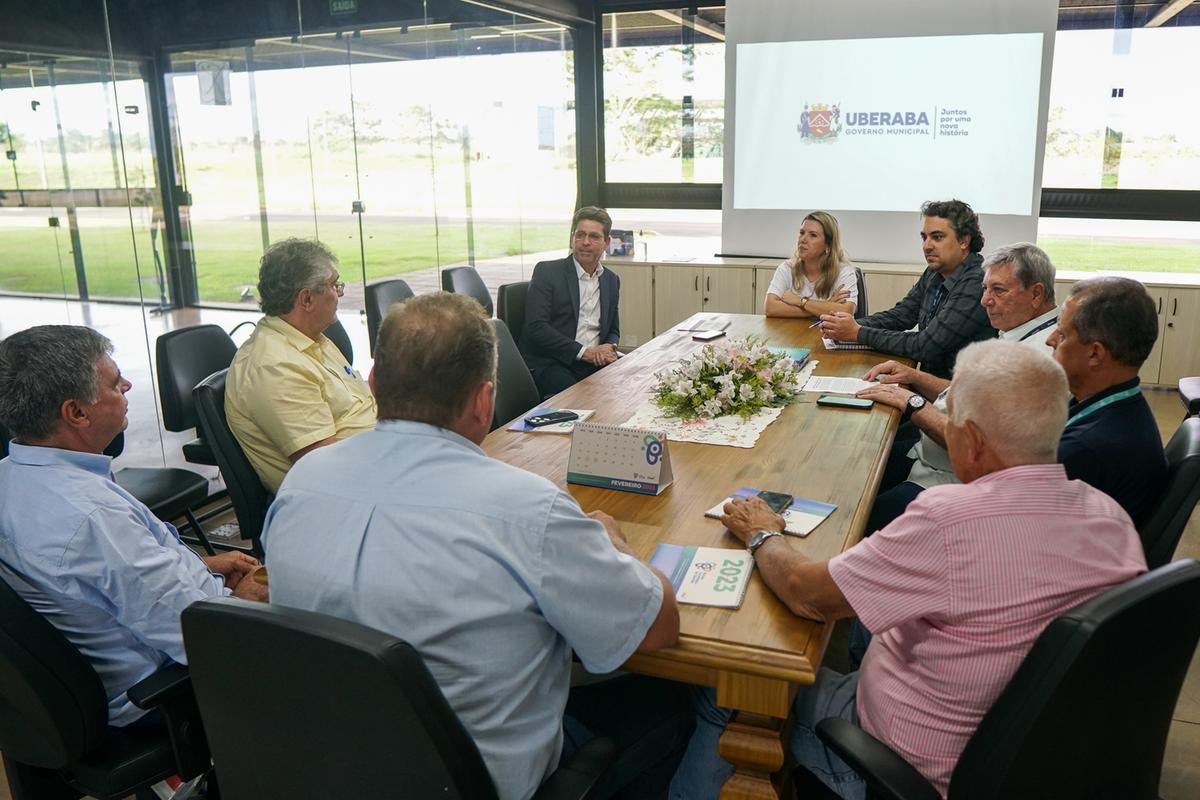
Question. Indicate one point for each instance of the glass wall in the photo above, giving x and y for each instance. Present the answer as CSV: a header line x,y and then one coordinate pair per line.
x,y
64,210
406,149
664,95
80,212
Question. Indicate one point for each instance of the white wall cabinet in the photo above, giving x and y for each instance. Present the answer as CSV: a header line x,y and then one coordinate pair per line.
x,y
636,305
681,290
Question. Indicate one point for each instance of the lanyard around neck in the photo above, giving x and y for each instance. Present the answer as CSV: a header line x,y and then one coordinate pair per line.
x,y
1108,401
1041,327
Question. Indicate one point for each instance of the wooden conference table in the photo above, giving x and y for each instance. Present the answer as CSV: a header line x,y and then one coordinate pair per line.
x,y
757,655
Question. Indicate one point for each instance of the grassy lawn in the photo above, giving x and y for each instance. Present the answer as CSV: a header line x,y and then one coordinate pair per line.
x,y
227,253
38,259
1134,256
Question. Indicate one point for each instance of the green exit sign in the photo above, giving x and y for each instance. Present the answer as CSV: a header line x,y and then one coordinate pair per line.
x,y
343,6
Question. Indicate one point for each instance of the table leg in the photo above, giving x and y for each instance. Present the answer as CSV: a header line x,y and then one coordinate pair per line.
x,y
753,744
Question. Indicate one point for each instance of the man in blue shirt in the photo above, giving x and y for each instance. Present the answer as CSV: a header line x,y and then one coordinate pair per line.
x,y
76,546
1106,330
492,573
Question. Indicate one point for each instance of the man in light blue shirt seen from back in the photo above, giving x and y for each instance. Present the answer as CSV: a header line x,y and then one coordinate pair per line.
x,y
492,573
77,547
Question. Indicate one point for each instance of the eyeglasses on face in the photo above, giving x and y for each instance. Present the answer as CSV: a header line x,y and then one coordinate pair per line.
x,y
591,236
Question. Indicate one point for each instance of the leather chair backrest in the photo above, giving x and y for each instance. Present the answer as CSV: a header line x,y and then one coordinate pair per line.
x,y
185,357
1162,529
250,498
465,280
1088,711
861,310
516,393
340,710
53,708
510,306
336,333
379,298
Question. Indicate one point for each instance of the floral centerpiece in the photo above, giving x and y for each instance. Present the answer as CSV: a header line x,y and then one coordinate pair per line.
x,y
740,377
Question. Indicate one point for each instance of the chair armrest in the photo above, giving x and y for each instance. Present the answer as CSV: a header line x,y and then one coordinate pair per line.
x,y
169,689
160,687
577,779
889,776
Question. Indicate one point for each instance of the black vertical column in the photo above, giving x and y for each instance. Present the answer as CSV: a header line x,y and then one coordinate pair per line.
x,y
589,111
176,204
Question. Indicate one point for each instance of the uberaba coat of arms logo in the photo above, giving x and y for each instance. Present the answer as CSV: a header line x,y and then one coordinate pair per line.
x,y
819,122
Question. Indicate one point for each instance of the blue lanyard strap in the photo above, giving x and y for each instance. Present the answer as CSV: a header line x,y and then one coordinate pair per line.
x,y
1041,327
1108,401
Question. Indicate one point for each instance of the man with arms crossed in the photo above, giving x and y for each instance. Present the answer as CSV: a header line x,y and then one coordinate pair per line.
x,y
1018,296
1107,328
77,547
492,573
572,327
943,305
289,389
956,590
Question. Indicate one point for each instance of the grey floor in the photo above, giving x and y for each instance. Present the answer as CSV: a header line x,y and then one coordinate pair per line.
x,y
133,333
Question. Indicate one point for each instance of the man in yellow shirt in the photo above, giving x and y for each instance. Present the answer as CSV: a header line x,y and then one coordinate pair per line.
x,y
290,390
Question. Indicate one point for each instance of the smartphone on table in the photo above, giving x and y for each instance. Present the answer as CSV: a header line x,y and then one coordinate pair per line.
x,y
550,418
840,401
707,336
776,501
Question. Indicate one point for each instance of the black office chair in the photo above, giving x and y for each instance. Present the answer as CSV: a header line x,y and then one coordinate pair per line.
x,y
1161,531
1189,395
342,711
1086,715
465,280
379,298
860,310
250,498
185,357
510,307
516,393
54,730
336,333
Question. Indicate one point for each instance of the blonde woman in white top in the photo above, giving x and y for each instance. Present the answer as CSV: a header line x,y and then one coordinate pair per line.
x,y
818,279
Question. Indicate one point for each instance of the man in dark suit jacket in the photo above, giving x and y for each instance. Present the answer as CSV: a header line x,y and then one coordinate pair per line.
x,y
571,323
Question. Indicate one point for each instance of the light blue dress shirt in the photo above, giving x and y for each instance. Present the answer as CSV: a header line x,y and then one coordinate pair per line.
x,y
98,565
492,573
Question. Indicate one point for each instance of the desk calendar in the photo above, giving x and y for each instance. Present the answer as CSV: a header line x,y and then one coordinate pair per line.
x,y
626,459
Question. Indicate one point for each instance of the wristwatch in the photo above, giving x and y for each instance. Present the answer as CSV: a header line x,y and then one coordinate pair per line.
x,y
915,404
803,303
759,539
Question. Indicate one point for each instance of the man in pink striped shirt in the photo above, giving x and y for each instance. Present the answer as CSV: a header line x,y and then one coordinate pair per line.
x,y
955,591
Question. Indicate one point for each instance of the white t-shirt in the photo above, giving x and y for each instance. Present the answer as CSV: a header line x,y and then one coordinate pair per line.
x,y
782,283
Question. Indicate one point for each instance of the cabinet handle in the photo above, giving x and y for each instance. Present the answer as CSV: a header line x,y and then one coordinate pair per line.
x,y
1159,306
697,283
1174,305
708,283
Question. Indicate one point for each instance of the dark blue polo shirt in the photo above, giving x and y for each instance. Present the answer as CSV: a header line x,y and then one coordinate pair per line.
x,y
1117,449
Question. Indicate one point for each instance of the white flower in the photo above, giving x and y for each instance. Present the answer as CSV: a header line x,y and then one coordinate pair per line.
x,y
745,393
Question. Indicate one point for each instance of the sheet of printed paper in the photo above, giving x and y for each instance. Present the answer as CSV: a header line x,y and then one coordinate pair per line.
x,y
827,384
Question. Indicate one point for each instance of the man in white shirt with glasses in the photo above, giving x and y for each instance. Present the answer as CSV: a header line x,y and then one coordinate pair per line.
x,y
571,322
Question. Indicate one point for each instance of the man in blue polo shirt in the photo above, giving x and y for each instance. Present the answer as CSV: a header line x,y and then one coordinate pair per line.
x,y
1106,330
